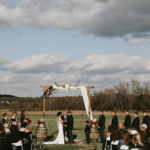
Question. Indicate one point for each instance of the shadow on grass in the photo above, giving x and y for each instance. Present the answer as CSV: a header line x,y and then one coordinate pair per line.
x,y
51,136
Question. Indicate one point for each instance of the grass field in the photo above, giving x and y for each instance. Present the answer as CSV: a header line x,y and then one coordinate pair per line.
x,y
79,123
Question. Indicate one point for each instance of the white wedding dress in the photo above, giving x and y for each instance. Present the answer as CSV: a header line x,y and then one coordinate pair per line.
x,y
60,137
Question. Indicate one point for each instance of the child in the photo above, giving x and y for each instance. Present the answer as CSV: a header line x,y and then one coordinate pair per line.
x,y
87,132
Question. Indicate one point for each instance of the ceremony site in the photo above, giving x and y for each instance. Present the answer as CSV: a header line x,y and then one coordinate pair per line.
x,y
74,74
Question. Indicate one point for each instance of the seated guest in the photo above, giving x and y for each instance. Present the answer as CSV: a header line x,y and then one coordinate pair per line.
x,y
143,133
121,128
27,137
15,137
87,132
116,141
147,144
136,141
14,122
4,145
126,140
107,143
136,122
5,123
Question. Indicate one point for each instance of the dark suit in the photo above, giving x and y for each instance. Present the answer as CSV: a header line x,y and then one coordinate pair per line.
x,y
64,118
87,133
114,122
127,121
101,124
136,123
146,120
70,128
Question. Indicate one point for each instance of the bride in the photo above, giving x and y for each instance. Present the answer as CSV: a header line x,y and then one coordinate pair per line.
x,y
60,137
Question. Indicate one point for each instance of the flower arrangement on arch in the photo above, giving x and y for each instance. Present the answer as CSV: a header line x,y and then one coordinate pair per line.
x,y
48,91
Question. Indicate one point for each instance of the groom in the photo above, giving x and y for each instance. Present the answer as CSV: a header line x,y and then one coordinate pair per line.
x,y
70,127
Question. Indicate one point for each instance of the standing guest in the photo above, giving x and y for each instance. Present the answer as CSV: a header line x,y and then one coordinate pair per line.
x,y
87,131
101,125
127,121
14,122
70,126
114,122
65,122
146,120
22,117
136,122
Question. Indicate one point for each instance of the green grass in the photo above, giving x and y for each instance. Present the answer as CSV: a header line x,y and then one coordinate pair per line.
x,y
79,123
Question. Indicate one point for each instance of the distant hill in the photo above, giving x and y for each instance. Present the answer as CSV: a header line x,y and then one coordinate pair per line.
x,y
7,96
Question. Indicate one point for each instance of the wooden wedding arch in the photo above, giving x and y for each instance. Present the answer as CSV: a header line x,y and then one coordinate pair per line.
x,y
68,86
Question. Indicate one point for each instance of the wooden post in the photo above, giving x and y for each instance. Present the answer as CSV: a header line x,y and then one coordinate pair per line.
x,y
44,99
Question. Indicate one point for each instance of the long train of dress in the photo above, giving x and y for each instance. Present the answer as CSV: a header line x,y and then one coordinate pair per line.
x,y
60,137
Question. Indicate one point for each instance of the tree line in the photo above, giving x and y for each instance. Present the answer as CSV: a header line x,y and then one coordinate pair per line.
x,y
126,95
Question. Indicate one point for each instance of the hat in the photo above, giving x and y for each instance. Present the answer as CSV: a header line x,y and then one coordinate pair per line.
x,y
144,126
134,132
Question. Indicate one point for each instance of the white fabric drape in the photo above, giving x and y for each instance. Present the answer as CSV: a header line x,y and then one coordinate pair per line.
x,y
84,93
86,101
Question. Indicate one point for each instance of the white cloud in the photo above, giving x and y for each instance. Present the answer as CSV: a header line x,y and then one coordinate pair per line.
x,y
139,41
99,17
101,71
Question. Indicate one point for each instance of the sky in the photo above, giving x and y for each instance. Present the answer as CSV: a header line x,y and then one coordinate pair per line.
x,y
96,42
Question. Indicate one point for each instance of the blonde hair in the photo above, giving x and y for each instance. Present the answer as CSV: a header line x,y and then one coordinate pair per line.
x,y
137,139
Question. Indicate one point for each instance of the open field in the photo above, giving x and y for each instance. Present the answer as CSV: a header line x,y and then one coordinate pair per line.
x,y
79,123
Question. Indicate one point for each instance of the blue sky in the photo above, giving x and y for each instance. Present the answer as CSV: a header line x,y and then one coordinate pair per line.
x,y
95,41
21,42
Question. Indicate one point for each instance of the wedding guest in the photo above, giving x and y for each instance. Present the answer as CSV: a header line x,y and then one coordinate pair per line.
x,y
14,122
136,122
101,125
65,129
22,117
121,128
70,126
116,141
136,141
146,120
27,137
143,133
5,123
4,144
114,122
87,131
15,137
127,121
126,140
28,121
